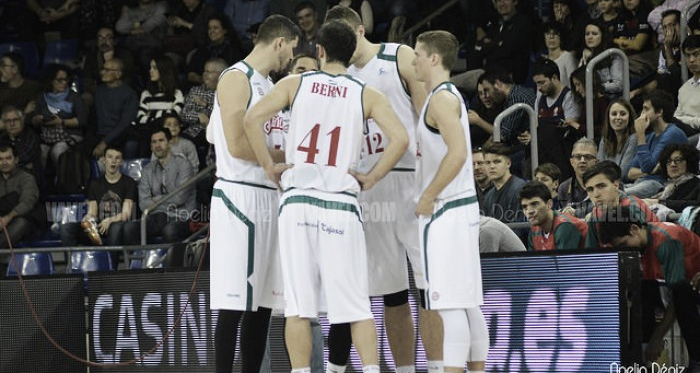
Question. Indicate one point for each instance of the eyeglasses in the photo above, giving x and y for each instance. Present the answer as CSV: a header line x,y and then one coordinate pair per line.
x,y
675,160
582,157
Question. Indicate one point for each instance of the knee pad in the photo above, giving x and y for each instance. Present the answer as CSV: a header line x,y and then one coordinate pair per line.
x,y
479,348
396,299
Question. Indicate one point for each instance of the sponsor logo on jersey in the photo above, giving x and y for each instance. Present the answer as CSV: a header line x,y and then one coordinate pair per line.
x,y
276,123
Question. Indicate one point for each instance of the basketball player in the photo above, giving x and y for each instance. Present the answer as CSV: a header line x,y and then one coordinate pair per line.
x,y
447,208
387,68
246,275
320,220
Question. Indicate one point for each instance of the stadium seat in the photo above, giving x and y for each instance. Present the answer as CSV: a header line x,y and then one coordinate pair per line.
x,y
29,51
88,261
32,264
148,259
130,167
65,52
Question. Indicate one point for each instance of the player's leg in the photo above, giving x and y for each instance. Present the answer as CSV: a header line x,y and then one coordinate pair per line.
x,y
225,339
364,336
400,331
431,335
339,344
297,336
254,329
479,349
456,346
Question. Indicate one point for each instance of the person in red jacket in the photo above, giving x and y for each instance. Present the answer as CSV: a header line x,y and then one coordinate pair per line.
x,y
550,229
670,253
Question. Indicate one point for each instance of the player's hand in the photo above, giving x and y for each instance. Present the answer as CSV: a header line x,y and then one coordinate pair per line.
x,y
275,172
425,206
695,282
366,182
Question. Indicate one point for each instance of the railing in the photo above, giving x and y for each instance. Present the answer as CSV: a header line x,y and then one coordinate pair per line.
x,y
590,69
684,34
427,19
533,129
205,172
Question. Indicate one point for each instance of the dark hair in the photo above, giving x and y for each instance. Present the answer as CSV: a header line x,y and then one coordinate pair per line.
x,y
167,83
304,5
6,145
669,12
546,67
50,73
615,222
607,168
276,26
225,23
496,74
662,100
533,189
552,26
498,148
115,148
549,169
691,42
688,152
299,56
345,14
159,129
580,75
612,145
605,42
338,40
574,7
16,59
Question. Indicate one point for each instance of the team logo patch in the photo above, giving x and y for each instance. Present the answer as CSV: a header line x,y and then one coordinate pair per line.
x,y
435,296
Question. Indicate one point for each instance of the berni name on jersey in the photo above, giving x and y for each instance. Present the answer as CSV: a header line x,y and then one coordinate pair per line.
x,y
329,90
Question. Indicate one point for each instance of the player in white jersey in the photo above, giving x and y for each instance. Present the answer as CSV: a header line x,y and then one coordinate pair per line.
x,y
320,221
246,279
390,222
447,207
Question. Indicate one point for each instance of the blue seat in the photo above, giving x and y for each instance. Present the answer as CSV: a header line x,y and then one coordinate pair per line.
x,y
65,52
89,261
32,264
29,51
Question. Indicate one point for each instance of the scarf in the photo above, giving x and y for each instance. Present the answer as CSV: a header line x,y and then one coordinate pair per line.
x,y
671,186
57,102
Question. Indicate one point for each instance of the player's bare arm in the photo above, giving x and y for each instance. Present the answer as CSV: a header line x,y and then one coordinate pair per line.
x,y
416,89
377,106
443,114
279,97
233,94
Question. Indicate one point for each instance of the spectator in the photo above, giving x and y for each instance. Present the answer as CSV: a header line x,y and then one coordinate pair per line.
x,y
670,253
59,114
116,105
602,182
25,142
501,202
571,21
199,103
159,178
496,237
551,230
57,15
110,203
600,100
243,14
609,15
679,163
189,25
557,115
20,209
572,194
288,8
178,145
618,143
143,27
98,13
688,110
482,114
550,175
481,177
95,58
15,89
160,96
307,19
302,63
596,40
656,116
221,43
634,37
565,60
361,7
656,15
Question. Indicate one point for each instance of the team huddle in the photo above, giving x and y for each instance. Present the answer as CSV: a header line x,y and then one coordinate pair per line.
x,y
377,123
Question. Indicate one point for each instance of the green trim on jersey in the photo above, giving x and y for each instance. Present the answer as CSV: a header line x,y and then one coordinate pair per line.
x,y
218,193
448,206
250,71
385,57
328,205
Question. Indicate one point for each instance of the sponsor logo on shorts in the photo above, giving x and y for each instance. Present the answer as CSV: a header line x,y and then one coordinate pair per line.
x,y
435,296
326,228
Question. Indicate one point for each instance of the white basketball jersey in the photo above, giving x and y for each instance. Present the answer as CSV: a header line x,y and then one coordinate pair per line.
x,y
382,74
325,133
227,166
431,149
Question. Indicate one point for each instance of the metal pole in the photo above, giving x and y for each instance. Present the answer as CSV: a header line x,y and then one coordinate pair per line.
x,y
427,19
533,129
590,69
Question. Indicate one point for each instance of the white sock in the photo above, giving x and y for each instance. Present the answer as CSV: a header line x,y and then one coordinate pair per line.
x,y
370,369
332,368
302,370
406,369
435,366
